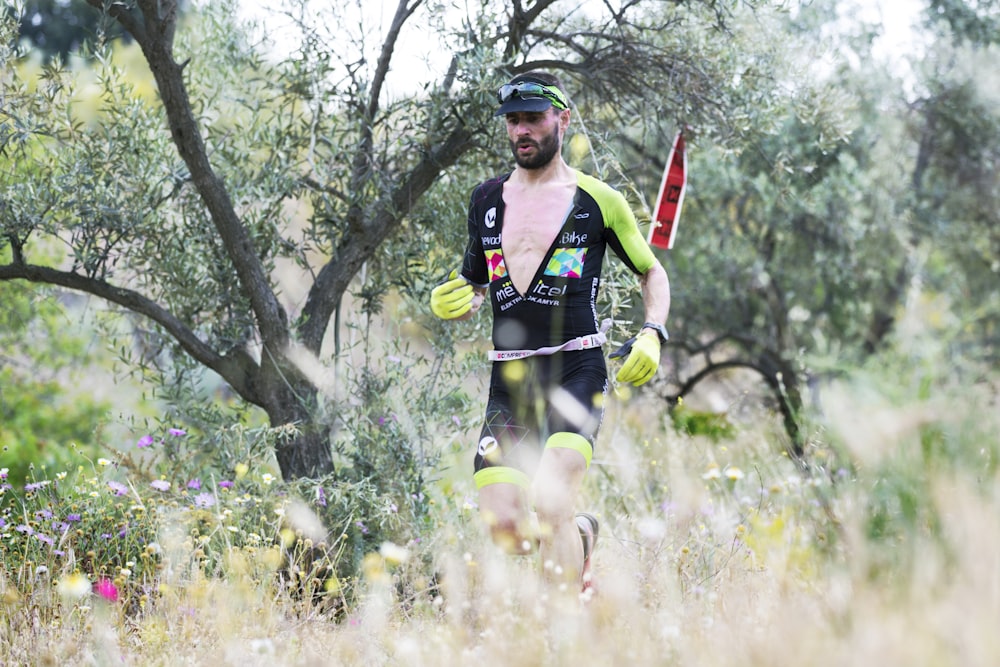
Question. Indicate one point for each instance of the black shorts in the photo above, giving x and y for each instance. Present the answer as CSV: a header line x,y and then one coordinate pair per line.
x,y
533,399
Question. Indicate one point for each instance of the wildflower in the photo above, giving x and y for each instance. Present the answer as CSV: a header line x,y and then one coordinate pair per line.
x,y
393,553
204,500
106,589
44,515
320,496
267,478
45,539
4,472
225,484
194,484
61,475
118,488
73,518
34,486
73,586
160,484
712,473
241,470
144,441
177,432
362,527
733,473
103,462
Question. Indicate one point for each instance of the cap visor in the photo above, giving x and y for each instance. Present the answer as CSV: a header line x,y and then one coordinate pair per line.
x,y
515,104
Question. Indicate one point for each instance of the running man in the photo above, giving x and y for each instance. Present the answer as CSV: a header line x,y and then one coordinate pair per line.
x,y
537,239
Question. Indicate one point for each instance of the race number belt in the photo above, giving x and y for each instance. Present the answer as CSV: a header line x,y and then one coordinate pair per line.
x,y
581,343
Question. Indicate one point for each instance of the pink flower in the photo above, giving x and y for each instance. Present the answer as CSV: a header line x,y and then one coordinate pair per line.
x,y
177,432
106,589
145,441
160,484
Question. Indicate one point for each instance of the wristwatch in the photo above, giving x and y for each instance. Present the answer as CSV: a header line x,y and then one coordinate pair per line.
x,y
660,330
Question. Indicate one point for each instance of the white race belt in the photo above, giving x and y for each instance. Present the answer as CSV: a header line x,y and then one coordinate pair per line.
x,y
581,343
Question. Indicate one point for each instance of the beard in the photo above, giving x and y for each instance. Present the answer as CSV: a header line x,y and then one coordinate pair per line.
x,y
545,151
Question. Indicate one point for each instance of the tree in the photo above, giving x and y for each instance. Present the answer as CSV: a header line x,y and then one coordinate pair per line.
x,y
186,228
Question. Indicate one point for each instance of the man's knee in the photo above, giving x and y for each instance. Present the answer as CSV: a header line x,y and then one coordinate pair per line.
x,y
504,511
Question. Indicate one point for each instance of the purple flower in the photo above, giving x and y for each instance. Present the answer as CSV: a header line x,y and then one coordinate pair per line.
x,y
34,486
118,488
194,484
45,538
177,432
3,522
25,528
362,527
320,496
204,500
160,484
43,514
225,484
145,441
73,518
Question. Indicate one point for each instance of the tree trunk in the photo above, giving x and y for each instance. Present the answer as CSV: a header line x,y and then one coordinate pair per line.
x,y
305,450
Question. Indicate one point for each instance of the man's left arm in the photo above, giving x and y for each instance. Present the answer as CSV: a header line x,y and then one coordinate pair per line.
x,y
656,294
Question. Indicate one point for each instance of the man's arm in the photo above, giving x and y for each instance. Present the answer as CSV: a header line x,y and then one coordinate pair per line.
x,y
656,293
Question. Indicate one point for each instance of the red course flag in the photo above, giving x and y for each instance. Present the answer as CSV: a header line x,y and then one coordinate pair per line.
x,y
668,203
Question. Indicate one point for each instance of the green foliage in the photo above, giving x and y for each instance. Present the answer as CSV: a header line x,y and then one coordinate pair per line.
x,y
700,422
59,28
43,428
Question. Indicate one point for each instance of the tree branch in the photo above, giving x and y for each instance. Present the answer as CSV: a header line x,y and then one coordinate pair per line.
x,y
236,367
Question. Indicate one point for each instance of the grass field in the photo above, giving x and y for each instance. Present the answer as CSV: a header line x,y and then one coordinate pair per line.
x,y
712,552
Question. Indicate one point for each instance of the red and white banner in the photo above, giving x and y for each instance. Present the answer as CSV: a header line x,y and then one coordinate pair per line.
x,y
667,212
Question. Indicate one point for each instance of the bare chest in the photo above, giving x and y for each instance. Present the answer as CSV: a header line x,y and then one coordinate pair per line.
x,y
531,222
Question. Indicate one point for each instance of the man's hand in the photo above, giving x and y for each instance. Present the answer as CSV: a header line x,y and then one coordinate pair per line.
x,y
643,359
452,299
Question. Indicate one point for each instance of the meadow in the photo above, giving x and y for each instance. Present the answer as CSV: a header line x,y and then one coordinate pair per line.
x,y
715,548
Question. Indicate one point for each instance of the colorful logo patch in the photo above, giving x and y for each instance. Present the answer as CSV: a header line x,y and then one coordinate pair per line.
x,y
494,262
566,263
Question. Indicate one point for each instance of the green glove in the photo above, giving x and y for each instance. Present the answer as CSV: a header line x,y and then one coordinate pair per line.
x,y
453,298
643,359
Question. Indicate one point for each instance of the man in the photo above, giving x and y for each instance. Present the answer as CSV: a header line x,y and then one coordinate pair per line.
x,y
537,239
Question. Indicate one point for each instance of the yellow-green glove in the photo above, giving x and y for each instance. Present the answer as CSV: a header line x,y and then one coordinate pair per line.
x,y
453,298
643,359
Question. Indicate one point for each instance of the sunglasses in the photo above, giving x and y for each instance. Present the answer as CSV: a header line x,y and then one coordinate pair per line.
x,y
531,90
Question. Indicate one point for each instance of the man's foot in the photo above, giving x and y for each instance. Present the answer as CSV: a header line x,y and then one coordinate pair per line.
x,y
587,525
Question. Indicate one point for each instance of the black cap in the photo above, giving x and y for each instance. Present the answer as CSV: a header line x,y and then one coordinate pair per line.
x,y
517,103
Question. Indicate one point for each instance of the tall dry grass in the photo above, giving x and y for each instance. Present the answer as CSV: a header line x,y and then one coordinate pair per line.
x,y
711,553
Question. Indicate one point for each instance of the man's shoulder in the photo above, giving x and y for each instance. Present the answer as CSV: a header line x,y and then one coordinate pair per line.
x,y
606,196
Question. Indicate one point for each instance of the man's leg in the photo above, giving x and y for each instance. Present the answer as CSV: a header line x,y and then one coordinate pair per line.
x,y
554,491
504,509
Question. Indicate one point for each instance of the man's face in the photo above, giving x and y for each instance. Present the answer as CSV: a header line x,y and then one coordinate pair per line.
x,y
534,137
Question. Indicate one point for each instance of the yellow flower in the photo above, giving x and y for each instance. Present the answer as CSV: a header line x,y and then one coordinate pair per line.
x,y
241,470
